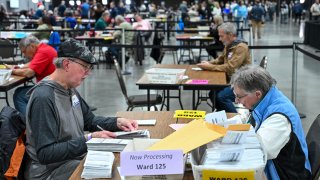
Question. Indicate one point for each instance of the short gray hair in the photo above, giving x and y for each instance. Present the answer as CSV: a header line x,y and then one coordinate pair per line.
x,y
28,40
58,62
251,78
120,18
228,28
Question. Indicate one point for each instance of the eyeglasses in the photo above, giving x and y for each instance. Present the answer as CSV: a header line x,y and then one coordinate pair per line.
x,y
240,97
24,50
86,67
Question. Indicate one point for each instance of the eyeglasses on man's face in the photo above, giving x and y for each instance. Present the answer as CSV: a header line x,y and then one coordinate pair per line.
x,y
88,67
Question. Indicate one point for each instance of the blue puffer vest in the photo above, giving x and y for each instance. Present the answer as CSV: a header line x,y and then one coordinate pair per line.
x,y
292,161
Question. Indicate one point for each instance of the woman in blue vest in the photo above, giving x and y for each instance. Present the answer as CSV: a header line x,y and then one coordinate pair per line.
x,y
276,121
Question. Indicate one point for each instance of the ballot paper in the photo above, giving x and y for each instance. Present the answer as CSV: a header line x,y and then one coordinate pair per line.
x,y
216,117
132,134
235,137
111,145
98,164
147,122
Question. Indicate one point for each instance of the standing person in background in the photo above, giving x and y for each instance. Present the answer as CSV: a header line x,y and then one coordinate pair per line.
x,y
276,121
62,8
235,55
40,66
183,8
297,11
98,11
257,13
315,10
85,8
3,17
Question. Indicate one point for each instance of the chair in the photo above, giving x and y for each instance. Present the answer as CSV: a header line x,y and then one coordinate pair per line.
x,y
313,142
7,52
136,100
264,62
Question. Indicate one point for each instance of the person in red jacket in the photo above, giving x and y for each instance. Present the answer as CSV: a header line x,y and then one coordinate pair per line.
x,y
41,58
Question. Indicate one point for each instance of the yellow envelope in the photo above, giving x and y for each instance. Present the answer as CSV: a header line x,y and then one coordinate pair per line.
x,y
191,136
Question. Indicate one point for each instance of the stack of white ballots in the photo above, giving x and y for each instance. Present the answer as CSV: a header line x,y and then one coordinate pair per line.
x,y
118,144
248,154
133,134
98,164
111,145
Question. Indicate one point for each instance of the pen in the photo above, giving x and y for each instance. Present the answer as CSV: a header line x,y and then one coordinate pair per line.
x,y
100,128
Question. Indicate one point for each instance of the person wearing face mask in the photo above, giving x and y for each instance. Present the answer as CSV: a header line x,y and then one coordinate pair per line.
x,y
276,121
235,54
57,117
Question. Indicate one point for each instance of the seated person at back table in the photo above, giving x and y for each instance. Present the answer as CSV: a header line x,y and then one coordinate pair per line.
x,y
57,117
103,21
40,66
277,123
235,54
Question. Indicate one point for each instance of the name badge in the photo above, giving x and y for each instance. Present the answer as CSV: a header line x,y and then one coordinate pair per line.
x,y
138,163
75,101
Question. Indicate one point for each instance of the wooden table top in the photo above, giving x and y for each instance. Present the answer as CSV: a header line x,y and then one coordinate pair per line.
x,y
16,81
193,36
160,130
215,78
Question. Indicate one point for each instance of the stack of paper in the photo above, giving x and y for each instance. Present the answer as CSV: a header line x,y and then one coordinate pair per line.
x,y
248,154
111,145
98,164
133,134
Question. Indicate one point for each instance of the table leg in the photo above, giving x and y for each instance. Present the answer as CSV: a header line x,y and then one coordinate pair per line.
x,y
168,100
148,99
7,98
193,99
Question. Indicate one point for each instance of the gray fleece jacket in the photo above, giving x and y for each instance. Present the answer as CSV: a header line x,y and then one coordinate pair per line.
x,y
56,121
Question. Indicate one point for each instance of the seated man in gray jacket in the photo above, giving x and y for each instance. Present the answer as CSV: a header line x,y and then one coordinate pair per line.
x,y
57,117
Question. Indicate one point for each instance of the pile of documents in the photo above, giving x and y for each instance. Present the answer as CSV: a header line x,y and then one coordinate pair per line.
x,y
237,151
111,145
98,164
133,134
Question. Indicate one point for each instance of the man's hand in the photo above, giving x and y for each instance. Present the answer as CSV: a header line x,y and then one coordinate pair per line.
x,y
127,124
103,134
9,66
204,65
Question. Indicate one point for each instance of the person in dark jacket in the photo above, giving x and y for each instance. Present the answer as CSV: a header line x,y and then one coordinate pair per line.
x,y
217,45
57,117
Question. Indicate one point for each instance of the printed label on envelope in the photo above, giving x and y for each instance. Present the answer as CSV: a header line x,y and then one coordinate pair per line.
x,y
197,81
191,114
228,175
137,163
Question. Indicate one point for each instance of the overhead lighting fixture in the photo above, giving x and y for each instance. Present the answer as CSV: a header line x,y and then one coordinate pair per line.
x,y
302,1
71,3
78,2
104,2
47,0
35,1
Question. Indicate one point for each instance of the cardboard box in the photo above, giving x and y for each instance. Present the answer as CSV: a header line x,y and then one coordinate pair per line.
x,y
141,145
164,75
197,169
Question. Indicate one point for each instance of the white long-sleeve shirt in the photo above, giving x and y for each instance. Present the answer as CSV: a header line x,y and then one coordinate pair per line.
x,y
274,134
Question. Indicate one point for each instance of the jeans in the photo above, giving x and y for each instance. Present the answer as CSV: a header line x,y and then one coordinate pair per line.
x,y
20,99
224,99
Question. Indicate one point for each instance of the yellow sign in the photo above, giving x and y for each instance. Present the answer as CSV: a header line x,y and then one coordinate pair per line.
x,y
191,114
227,175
